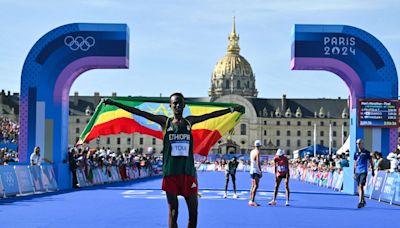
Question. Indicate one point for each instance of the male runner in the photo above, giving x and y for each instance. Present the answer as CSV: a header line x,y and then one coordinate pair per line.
x,y
230,170
255,172
179,172
281,166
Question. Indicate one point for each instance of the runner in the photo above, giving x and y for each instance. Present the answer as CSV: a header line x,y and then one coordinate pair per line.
x,y
281,166
230,170
179,173
255,172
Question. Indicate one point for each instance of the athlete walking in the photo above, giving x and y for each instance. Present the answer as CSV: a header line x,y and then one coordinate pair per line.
x,y
281,166
179,172
230,170
255,172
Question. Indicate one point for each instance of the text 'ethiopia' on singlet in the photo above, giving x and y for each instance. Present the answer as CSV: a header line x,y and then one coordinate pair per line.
x,y
178,149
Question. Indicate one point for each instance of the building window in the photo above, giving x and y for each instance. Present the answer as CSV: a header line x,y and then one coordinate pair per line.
x,y
321,133
334,144
265,142
345,133
238,84
154,141
298,133
288,123
77,139
108,140
308,142
78,120
227,84
278,142
128,141
87,120
265,122
298,123
242,129
298,143
287,133
278,123
118,140
265,132
141,141
288,142
345,124
321,142
308,133
309,123
77,130
278,132
334,123
322,123
334,133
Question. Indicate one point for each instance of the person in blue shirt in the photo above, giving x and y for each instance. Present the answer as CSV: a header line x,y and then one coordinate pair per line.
x,y
361,159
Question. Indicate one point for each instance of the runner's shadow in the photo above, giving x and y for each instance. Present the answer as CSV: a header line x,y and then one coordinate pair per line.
x,y
344,208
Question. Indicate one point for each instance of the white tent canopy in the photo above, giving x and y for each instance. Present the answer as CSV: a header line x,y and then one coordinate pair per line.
x,y
345,147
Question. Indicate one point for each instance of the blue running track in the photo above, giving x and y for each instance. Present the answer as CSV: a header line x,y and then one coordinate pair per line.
x,y
141,203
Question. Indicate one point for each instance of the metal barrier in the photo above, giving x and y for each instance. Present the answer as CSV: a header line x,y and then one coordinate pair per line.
x,y
19,180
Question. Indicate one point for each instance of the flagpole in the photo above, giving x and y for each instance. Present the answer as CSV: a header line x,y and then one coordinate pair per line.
x,y
315,140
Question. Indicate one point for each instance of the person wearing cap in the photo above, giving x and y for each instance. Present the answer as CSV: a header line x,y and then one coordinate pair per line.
x,y
230,170
255,172
281,167
179,172
361,159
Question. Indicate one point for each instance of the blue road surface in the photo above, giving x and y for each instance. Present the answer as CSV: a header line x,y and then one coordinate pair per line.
x,y
141,203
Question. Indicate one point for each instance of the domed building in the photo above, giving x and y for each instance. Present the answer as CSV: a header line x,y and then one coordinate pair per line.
x,y
233,74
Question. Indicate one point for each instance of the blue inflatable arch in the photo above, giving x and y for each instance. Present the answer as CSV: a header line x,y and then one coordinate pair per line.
x,y
52,65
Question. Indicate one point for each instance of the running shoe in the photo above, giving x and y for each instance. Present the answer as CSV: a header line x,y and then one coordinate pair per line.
x,y
253,204
225,195
272,203
287,203
235,196
359,205
363,203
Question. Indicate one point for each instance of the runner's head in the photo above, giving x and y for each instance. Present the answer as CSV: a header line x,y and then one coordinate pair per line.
x,y
177,104
280,152
257,144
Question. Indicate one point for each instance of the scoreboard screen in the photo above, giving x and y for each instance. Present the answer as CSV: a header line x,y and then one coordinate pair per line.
x,y
377,113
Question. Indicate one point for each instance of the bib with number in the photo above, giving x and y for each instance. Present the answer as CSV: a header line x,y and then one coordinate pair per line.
x,y
180,148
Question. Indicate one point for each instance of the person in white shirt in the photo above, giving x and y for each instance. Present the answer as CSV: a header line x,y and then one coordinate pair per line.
x,y
36,158
394,161
255,172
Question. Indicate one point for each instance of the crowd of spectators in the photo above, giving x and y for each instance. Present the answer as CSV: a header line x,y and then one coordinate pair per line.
x,y
9,130
87,160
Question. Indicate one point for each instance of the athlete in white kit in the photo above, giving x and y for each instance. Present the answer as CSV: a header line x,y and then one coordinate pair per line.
x,y
255,172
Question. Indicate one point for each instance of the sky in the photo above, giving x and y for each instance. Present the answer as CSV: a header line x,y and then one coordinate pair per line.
x,y
175,44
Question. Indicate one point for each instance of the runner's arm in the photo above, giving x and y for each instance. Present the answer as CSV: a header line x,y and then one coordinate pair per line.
x,y
160,119
197,119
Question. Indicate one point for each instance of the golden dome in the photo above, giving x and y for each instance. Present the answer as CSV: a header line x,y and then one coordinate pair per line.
x,y
233,74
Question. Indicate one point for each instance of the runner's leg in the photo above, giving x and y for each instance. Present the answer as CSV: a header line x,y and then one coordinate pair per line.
x,y
192,204
173,210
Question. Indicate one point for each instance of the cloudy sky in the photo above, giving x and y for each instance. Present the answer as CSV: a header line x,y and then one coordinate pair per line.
x,y
174,44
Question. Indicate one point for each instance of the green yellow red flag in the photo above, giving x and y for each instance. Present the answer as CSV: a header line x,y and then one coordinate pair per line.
x,y
109,119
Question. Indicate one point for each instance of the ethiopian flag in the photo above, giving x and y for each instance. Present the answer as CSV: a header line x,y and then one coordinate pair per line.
x,y
109,119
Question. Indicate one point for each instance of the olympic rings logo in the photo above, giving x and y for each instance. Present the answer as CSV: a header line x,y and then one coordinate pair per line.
x,y
79,42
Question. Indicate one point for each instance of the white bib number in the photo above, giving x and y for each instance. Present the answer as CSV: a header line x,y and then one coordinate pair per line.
x,y
180,149
281,168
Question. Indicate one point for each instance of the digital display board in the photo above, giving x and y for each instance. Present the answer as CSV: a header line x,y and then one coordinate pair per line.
x,y
378,113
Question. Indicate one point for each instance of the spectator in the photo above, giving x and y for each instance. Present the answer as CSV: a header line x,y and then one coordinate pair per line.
x,y
36,158
393,157
380,163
